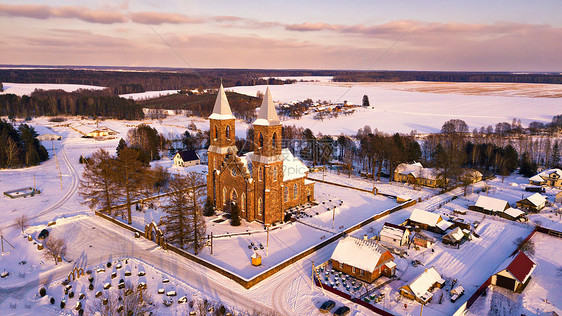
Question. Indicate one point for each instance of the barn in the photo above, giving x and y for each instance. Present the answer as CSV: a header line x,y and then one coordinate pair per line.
x,y
515,273
533,203
489,205
395,235
363,259
422,240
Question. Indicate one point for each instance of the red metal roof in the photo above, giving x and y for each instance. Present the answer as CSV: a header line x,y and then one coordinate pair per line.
x,y
521,266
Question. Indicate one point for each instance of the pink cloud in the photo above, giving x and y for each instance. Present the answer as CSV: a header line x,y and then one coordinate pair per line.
x,y
45,12
157,18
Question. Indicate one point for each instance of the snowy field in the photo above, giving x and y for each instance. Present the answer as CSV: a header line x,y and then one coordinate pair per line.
x,y
383,186
542,294
26,88
305,78
148,94
402,111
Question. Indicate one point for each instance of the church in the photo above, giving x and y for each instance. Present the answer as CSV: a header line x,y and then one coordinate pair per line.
x,y
263,183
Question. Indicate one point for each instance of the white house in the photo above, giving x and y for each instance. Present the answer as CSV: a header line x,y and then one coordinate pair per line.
x,y
394,234
186,158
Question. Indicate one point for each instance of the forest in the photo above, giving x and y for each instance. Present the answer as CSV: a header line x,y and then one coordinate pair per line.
x,y
20,147
91,103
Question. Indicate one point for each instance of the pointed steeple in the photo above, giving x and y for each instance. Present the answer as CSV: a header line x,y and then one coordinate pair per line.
x,y
268,113
221,111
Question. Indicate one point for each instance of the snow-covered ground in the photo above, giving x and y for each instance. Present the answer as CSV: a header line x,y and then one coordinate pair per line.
x,y
402,111
148,94
26,88
542,294
305,78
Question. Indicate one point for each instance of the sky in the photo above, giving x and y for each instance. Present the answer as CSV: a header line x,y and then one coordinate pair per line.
x,y
501,35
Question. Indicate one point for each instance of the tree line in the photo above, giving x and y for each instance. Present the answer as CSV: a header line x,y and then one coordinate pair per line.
x,y
91,103
20,147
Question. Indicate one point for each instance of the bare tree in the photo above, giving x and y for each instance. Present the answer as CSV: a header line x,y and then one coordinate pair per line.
x,y
98,186
527,247
55,249
22,222
133,300
196,192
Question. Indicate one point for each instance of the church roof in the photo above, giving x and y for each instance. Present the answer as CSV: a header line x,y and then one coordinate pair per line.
x,y
268,113
221,111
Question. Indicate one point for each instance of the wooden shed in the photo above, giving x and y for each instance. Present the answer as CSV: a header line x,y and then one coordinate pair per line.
x,y
515,273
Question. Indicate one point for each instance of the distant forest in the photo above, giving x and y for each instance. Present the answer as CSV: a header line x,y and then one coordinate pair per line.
x,y
243,106
91,103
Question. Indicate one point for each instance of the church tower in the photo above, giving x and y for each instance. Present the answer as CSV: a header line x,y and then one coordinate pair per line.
x,y
267,163
222,137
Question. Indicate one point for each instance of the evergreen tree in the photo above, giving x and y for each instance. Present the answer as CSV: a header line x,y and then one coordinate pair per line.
x,y
209,209
128,175
528,168
187,141
366,101
175,222
122,144
555,157
98,187
196,190
234,215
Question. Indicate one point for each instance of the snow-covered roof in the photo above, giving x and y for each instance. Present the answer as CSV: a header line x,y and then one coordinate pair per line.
x,y
308,181
425,217
546,174
456,234
513,212
425,281
444,225
359,253
491,204
293,167
267,114
417,170
536,199
393,231
221,110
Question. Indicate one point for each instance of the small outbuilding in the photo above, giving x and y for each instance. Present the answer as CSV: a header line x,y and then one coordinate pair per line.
x,y
429,221
558,197
365,260
533,203
515,273
513,214
395,235
420,288
423,240
186,158
45,137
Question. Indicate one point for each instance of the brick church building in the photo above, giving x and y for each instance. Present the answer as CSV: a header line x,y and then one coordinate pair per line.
x,y
263,183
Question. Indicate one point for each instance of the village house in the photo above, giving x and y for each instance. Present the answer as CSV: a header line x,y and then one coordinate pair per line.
x,y
455,237
263,183
363,259
423,240
513,214
429,221
394,234
533,203
551,177
186,158
101,132
471,176
420,289
415,173
514,273
489,205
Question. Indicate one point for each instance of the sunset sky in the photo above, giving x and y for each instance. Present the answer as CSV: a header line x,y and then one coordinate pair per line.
x,y
443,35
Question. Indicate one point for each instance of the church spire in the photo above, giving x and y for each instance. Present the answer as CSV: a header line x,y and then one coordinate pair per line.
x,y
221,111
268,113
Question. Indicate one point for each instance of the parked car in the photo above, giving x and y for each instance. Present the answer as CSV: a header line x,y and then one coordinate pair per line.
x,y
43,234
341,311
327,306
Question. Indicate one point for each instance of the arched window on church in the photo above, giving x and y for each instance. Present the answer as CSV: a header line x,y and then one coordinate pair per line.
x,y
274,173
260,170
216,133
261,140
260,206
223,196
227,132
233,196
243,202
295,191
274,141
286,195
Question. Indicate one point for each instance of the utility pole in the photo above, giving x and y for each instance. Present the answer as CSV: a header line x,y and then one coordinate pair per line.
x,y
34,188
211,243
267,242
312,277
333,216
